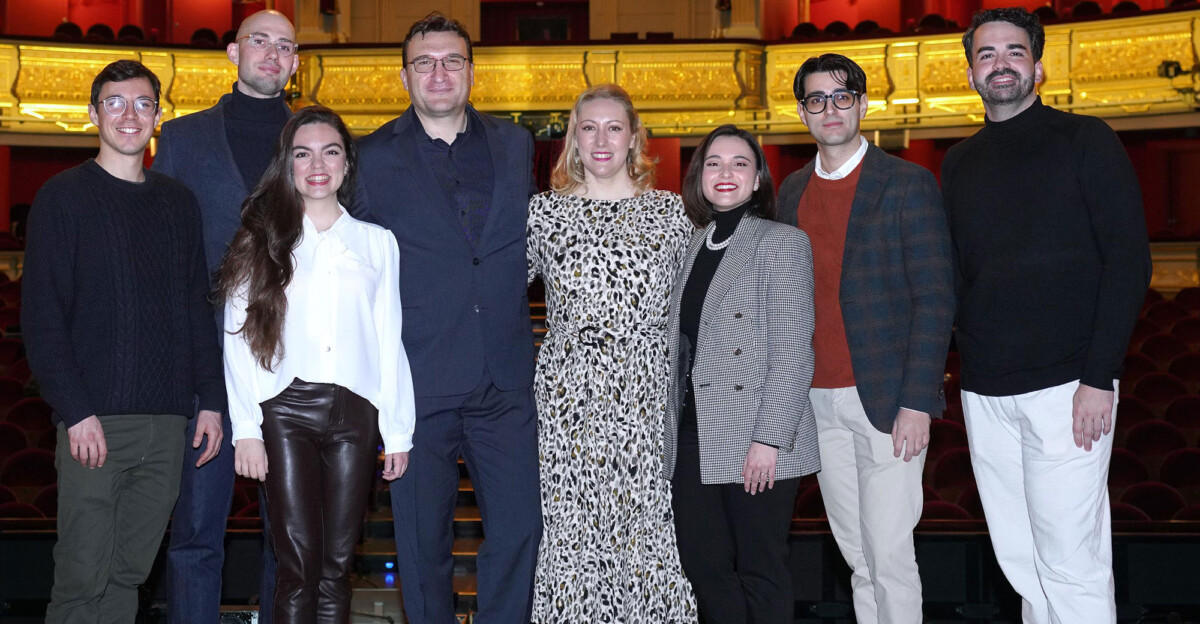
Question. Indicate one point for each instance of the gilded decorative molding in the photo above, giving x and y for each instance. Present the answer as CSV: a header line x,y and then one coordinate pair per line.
x,y
1106,67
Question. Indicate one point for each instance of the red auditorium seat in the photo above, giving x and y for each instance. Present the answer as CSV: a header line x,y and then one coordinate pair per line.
x,y
10,351
1154,437
1191,513
810,505
1184,413
1159,389
1163,348
11,391
10,293
1152,297
1132,410
250,510
1189,298
1159,500
1181,470
953,393
12,440
943,436
1141,331
953,474
7,495
1187,330
941,510
1125,469
1137,365
10,317
28,471
31,414
1124,512
19,510
1166,313
19,370
929,494
47,501
48,440
1186,366
969,500
953,413
953,363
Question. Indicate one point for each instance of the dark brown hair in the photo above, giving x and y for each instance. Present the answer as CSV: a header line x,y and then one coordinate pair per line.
x,y
697,206
1017,16
436,22
259,262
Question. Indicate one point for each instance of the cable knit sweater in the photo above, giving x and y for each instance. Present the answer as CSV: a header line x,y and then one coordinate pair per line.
x,y
115,314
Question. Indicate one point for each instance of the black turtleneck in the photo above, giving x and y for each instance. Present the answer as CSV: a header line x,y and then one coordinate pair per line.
x,y
691,305
252,127
1051,258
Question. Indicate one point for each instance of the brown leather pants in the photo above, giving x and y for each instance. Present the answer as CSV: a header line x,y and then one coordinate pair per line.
x,y
321,442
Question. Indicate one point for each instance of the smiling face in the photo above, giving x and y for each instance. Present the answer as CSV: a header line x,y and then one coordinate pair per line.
x,y
318,162
263,73
603,138
128,133
730,173
832,126
1002,67
439,93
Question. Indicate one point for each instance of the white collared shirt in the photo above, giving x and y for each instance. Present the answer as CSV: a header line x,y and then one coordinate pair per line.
x,y
847,166
342,327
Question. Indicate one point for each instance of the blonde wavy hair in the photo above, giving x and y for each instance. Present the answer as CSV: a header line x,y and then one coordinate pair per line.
x,y
568,174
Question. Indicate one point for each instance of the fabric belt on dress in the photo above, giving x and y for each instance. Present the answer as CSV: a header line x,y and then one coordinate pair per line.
x,y
599,336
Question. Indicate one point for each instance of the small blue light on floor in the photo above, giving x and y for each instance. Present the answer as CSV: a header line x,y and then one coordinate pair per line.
x,y
389,579
389,565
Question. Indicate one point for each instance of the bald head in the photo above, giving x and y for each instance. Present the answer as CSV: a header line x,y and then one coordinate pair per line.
x,y
264,69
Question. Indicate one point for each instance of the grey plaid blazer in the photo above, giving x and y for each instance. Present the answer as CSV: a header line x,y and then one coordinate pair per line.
x,y
754,357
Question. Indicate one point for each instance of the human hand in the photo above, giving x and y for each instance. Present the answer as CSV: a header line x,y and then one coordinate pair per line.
x,y
208,423
88,446
1091,415
395,465
910,433
758,471
250,459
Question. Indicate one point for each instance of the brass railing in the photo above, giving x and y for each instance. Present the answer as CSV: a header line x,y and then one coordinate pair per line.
x,y
1109,68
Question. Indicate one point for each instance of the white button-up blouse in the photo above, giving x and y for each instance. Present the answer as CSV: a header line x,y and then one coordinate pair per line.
x,y
342,327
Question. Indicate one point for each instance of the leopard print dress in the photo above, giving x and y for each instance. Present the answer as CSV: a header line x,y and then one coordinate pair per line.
x,y
608,550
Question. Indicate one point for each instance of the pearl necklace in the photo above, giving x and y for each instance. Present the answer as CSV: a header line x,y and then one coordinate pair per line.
x,y
708,240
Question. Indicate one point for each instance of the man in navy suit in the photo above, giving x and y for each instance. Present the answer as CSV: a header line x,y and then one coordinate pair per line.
x,y
453,185
220,154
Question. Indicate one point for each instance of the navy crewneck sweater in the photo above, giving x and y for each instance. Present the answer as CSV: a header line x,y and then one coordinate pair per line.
x,y
1051,253
114,307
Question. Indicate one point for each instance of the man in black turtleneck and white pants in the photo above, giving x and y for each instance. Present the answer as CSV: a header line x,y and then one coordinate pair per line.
x,y
220,154
1051,263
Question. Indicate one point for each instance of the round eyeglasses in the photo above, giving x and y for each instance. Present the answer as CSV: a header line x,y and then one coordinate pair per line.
x,y
115,106
842,100
260,44
426,64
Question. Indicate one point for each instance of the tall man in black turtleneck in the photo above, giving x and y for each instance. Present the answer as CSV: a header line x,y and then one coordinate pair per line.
x,y
220,154
1051,265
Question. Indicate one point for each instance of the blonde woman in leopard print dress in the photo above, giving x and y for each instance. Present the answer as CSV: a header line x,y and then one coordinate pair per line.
x,y
607,247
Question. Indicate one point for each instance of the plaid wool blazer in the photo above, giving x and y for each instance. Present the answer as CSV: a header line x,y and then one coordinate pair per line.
x,y
754,357
897,285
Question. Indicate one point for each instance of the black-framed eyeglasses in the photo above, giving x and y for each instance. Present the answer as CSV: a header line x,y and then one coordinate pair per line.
x,y
115,106
261,44
426,64
842,100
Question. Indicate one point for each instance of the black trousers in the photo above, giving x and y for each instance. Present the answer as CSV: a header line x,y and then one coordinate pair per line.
x,y
733,546
321,450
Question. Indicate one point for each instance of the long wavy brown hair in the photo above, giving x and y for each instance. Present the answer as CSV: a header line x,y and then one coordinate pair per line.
x,y
568,174
259,261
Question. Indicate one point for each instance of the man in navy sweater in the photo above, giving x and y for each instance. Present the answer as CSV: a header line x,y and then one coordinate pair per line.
x,y
220,154
1051,263
118,331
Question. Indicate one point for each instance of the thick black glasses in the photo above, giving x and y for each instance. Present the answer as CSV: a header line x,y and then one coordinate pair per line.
x,y
842,100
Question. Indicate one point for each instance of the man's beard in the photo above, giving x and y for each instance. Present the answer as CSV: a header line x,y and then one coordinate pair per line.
x,y
1009,95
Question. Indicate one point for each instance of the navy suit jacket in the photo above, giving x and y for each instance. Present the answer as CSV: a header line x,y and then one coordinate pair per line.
x,y
897,284
466,309
194,150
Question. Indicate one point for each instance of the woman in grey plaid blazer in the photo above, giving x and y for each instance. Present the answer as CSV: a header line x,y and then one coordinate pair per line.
x,y
739,431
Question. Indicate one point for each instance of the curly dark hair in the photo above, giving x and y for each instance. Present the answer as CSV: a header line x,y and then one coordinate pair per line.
x,y
1017,16
259,260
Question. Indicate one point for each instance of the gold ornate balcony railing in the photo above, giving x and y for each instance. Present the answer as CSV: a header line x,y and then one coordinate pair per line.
x,y
1107,67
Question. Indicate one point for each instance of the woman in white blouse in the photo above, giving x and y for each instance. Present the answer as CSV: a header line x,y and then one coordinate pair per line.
x,y
313,360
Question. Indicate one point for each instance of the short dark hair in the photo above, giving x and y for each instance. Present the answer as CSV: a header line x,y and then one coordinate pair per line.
x,y
697,206
120,71
1017,16
847,72
436,22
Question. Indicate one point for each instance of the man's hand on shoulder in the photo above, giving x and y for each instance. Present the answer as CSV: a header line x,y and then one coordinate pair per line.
x,y
208,423
88,446
1091,415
